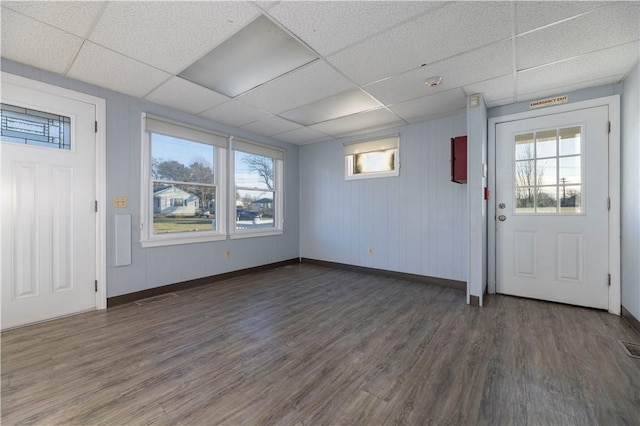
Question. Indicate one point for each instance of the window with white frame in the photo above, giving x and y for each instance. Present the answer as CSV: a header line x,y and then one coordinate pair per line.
x,y
257,183
183,186
372,158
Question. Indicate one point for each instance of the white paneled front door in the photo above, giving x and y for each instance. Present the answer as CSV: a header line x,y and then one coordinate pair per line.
x,y
48,219
552,180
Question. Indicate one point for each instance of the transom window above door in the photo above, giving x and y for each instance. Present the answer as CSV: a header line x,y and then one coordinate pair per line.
x,y
549,172
32,127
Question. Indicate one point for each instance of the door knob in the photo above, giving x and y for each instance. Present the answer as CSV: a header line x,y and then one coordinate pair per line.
x,y
502,218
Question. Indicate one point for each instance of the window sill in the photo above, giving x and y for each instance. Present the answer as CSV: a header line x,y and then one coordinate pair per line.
x,y
250,234
178,240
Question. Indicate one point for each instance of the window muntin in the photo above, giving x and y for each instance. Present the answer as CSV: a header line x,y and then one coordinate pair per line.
x,y
184,169
548,171
32,127
372,158
257,182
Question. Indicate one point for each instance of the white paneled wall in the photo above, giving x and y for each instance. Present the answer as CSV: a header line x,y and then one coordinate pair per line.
x,y
415,223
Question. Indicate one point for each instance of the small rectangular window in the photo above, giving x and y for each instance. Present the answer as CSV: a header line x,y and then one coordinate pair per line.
x,y
31,127
372,158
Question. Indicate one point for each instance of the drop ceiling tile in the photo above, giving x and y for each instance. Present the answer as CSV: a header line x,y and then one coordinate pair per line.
x,y
440,104
536,14
234,113
186,96
305,85
596,65
340,105
330,26
33,43
610,26
444,32
170,35
302,136
478,65
75,17
105,68
271,126
500,102
359,123
562,90
494,89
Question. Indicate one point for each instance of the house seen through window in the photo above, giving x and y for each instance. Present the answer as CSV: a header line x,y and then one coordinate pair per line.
x,y
184,184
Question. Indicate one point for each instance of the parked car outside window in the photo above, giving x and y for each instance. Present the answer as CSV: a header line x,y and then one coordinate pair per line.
x,y
243,214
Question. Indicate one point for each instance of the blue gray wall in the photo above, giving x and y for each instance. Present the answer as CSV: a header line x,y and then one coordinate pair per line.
x,y
630,192
416,222
477,181
157,266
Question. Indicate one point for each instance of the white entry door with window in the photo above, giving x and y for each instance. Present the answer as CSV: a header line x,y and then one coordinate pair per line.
x,y
48,217
552,223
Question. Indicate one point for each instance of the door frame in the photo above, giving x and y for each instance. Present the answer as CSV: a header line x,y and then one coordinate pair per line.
x,y
613,102
101,170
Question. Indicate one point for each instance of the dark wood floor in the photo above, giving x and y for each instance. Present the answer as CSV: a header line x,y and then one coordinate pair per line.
x,y
312,345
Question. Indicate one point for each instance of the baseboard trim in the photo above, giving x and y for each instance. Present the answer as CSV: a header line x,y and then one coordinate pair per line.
x,y
459,285
628,316
169,288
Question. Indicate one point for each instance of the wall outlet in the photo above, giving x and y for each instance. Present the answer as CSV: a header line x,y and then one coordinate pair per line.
x,y
227,253
370,251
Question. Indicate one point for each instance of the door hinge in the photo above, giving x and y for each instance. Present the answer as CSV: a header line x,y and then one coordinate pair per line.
x,y
96,127
608,203
96,206
96,287
609,280
609,131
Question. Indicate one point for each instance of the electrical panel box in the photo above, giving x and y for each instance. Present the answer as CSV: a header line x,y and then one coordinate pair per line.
x,y
459,159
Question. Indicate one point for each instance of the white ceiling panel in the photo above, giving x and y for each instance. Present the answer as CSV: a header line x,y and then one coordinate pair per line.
x,y
328,26
478,65
75,17
444,32
105,68
186,96
34,43
434,105
340,105
303,136
357,123
305,85
614,25
585,68
535,14
562,90
494,89
373,55
170,35
271,126
235,113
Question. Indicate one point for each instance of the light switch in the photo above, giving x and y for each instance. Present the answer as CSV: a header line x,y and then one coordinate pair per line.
x,y
120,202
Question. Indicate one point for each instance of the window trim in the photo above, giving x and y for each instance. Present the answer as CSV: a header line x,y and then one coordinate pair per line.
x,y
278,156
371,145
153,124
